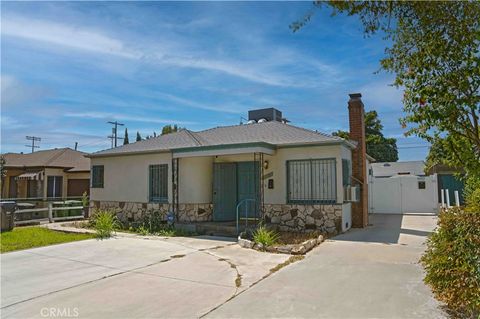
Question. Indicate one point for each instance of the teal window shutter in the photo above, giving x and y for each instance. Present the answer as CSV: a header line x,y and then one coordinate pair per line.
x,y
346,172
97,176
158,183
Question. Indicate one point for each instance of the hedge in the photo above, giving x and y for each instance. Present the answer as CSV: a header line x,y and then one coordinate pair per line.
x,y
452,261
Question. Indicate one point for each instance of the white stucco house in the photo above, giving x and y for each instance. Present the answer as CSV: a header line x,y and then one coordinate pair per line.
x,y
287,175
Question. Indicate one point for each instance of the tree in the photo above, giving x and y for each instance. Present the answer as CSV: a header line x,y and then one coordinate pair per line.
x,y
139,137
383,149
167,129
125,139
435,56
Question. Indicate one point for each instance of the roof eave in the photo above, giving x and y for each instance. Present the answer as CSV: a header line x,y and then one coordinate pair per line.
x,y
324,143
127,153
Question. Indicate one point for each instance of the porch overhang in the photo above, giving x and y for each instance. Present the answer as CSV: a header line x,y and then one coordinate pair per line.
x,y
225,149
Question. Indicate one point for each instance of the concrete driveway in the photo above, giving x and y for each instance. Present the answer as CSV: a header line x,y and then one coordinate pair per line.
x,y
371,273
128,277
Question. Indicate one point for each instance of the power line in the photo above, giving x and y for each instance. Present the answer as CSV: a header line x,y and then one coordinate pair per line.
x,y
33,139
114,137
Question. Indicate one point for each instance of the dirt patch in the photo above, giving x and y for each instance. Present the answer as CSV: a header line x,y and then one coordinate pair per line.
x,y
287,262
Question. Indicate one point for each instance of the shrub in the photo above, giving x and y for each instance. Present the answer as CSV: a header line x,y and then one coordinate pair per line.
x,y
472,183
452,261
105,223
265,236
154,221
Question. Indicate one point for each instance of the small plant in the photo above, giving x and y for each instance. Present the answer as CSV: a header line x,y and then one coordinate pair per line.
x,y
142,230
167,232
105,223
265,236
85,199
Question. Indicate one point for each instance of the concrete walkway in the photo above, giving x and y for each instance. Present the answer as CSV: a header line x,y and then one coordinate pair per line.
x,y
372,273
129,277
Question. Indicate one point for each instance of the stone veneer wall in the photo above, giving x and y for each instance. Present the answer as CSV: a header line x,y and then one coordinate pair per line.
x,y
132,212
324,218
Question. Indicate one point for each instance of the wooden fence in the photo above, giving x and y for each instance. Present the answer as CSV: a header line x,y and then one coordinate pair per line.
x,y
51,210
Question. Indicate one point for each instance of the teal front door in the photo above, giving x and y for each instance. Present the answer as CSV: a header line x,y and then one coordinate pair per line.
x,y
224,191
247,188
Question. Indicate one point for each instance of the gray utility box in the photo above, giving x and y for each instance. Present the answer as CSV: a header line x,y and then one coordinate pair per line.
x,y
7,210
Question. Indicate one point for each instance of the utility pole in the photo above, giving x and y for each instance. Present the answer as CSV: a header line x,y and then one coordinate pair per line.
x,y
33,139
114,133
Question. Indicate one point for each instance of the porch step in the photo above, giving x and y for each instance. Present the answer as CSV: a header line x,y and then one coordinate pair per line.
x,y
211,228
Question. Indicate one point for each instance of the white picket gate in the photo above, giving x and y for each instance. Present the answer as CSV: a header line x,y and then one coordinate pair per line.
x,y
403,194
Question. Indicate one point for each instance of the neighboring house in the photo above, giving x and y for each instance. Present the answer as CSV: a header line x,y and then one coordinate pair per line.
x,y
56,173
448,178
296,176
389,169
402,188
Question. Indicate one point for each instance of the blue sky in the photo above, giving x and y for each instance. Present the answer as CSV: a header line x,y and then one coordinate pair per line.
x,y
69,67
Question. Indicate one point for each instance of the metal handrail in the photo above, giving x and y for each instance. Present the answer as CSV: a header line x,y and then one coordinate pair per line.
x,y
246,211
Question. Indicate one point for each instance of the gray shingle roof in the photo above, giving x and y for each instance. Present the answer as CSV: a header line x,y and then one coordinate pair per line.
x,y
58,157
275,133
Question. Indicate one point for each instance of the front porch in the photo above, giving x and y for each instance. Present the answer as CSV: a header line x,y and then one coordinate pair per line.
x,y
225,182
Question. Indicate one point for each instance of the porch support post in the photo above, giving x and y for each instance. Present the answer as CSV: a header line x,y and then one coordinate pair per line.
x,y
175,164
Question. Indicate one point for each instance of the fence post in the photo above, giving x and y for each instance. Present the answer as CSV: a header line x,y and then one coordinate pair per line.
x,y
457,199
50,212
447,195
442,195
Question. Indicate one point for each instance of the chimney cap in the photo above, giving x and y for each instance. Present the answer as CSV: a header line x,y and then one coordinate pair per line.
x,y
355,95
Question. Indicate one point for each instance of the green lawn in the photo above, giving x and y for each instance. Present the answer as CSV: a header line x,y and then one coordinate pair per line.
x,y
29,237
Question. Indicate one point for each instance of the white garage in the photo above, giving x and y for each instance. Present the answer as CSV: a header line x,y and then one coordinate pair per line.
x,y
402,188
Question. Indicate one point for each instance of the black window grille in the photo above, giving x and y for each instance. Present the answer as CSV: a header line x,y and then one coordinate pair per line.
x,y
158,183
312,181
97,176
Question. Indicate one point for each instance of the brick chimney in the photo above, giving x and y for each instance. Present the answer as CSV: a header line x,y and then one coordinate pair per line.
x,y
356,114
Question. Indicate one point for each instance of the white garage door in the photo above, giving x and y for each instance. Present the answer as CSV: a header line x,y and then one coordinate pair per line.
x,y
403,195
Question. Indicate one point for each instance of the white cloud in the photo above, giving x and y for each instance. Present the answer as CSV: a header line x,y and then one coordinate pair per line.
x,y
382,96
193,104
126,117
176,52
15,93
8,122
64,35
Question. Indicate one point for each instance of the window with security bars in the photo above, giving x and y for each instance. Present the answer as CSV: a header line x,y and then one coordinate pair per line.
x,y
311,181
54,186
158,183
97,176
